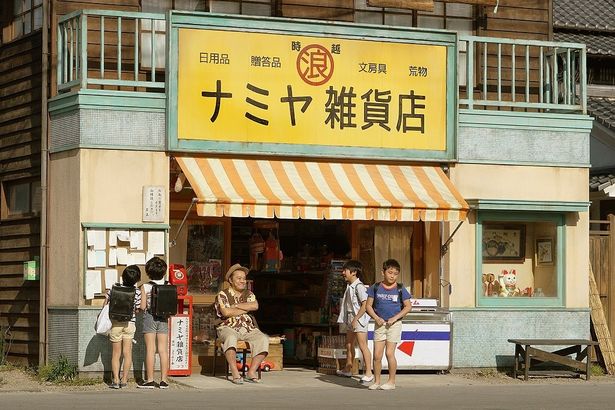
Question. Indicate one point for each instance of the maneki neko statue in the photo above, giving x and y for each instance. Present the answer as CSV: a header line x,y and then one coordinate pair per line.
x,y
508,283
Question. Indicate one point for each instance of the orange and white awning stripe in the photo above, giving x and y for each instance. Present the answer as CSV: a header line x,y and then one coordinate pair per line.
x,y
322,190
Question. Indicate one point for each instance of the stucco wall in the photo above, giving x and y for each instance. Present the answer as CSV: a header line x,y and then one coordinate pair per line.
x,y
526,183
64,229
95,186
112,183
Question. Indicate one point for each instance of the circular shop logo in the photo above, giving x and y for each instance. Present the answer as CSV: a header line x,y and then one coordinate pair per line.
x,y
315,64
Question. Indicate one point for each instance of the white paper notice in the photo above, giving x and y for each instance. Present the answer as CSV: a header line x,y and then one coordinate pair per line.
x,y
136,240
92,283
155,242
130,259
148,256
91,258
97,239
91,237
123,236
138,258
112,238
122,256
110,278
112,257
101,259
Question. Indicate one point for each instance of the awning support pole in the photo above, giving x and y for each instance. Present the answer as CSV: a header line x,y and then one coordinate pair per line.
x,y
181,225
444,247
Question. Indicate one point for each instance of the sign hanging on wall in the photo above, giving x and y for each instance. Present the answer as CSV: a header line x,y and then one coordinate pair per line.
x,y
154,208
269,88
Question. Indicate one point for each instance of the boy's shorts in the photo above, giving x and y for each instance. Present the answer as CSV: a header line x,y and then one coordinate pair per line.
x,y
121,330
151,325
390,334
347,327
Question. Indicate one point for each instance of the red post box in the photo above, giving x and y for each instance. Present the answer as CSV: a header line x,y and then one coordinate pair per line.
x,y
180,325
179,277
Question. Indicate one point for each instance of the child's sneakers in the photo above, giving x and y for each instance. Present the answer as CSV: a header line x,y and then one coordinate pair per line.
x,y
343,373
164,385
387,386
148,385
367,379
374,387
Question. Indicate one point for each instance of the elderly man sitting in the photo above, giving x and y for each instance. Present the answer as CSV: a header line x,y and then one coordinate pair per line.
x,y
233,307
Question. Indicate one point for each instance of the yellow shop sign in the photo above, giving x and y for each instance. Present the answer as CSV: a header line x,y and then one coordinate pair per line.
x,y
291,89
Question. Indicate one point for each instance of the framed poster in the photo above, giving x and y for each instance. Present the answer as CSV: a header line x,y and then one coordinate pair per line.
x,y
544,251
503,242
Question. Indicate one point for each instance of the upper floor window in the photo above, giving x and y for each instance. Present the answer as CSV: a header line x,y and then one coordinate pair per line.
x,y
20,198
27,16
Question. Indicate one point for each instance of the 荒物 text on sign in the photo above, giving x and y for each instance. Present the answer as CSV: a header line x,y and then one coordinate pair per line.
x,y
273,88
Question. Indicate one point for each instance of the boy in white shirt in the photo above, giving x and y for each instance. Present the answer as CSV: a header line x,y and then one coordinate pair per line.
x,y
355,319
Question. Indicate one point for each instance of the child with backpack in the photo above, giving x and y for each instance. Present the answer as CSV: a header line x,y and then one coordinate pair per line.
x,y
124,301
155,326
353,317
387,303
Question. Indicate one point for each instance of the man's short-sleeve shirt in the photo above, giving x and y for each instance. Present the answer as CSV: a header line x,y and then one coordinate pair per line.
x,y
235,322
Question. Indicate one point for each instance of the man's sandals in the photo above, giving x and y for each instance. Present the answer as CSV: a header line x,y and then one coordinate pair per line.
x,y
251,379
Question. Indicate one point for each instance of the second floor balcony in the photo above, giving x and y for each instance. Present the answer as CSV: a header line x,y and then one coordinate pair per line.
x,y
493,100
127,51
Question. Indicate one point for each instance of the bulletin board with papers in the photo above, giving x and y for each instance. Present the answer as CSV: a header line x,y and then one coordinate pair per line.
x,y
108,249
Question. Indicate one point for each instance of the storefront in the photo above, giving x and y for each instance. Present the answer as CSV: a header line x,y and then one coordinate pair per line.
x,y
290,159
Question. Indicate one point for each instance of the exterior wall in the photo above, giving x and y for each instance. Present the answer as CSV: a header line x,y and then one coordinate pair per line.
x,y
71,334
472,349
108,128
98,186
20,153
522,183
64,230
93,186
519,145
527,19
112,182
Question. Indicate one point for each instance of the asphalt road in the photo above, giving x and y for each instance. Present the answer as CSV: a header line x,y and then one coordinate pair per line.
x,y
579,395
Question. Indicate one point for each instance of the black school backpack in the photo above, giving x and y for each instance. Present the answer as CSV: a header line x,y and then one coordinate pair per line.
x,y
164,300
121,303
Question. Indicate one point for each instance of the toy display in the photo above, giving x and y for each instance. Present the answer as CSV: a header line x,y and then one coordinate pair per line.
x,y
504,286
491,287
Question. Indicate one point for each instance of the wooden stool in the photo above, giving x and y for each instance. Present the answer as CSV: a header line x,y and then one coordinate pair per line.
x,y
242,347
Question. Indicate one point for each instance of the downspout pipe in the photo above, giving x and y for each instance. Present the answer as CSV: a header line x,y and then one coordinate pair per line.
x,y
43,277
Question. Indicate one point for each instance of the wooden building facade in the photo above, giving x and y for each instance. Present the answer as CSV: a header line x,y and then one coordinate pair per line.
x,y
26,84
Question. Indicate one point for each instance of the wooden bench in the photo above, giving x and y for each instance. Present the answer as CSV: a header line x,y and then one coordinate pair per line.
x,y
526,352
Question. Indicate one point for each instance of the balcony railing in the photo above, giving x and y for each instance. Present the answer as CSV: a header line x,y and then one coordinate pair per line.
x,y
523,75
111,49
127,51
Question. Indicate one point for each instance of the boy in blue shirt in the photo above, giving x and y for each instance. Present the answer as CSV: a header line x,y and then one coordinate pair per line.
x,y
386,308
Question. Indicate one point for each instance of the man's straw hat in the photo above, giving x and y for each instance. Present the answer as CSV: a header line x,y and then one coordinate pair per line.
x,y
233,268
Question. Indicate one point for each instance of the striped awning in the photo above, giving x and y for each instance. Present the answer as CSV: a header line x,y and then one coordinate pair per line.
x,y
321,190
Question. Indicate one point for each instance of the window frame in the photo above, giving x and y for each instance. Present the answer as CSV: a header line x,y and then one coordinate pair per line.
x,y
559,219
5,212
14,18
